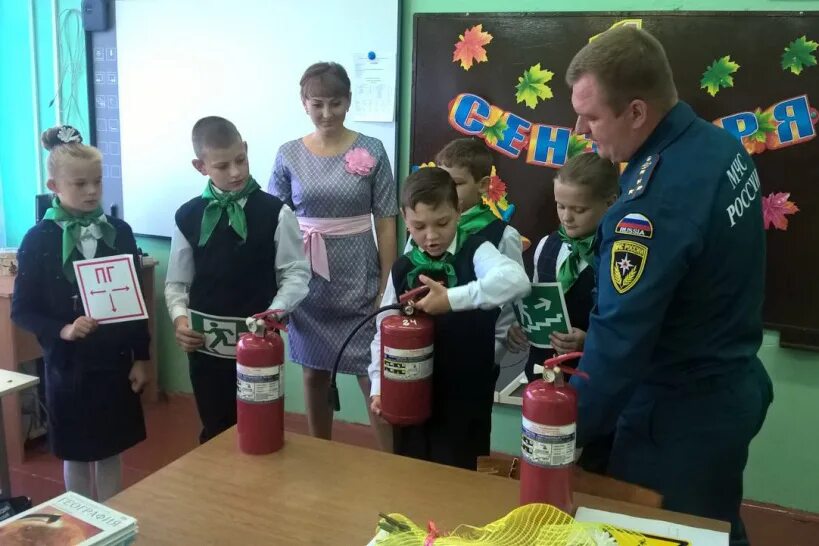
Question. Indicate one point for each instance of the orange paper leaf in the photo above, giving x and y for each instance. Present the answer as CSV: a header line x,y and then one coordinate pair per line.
x,y
469,47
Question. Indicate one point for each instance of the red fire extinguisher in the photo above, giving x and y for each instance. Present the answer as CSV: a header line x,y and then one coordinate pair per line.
x,y
407,353
548,436
260,385
406,362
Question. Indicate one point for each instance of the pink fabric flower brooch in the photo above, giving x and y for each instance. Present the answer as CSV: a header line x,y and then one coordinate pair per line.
x,y
359,161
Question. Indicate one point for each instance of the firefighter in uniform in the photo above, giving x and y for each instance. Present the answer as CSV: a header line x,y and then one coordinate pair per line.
x,y
673,338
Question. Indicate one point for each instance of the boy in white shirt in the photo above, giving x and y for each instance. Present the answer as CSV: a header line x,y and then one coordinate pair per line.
x,y
478,280
236,251
469,162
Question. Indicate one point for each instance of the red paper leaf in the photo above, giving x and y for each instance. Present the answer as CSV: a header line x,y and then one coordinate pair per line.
x,y
469,47
496,190
776,208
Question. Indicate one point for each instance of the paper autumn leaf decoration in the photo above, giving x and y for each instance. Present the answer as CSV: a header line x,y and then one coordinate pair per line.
x,y
532,86
495,199
495,125
718,75
799,55
755,143
497,188
469,47
577,145
776,208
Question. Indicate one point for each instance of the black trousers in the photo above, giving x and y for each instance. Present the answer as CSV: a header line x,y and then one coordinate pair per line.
x,y
214,388
458,432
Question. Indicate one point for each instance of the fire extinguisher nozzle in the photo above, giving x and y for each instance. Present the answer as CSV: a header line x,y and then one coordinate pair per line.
x,y
335,401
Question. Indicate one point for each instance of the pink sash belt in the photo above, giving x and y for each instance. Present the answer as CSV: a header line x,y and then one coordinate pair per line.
x,y
313,231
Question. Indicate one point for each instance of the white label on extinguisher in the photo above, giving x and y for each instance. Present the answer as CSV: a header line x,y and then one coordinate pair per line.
x,y
408,364
547,446
259,385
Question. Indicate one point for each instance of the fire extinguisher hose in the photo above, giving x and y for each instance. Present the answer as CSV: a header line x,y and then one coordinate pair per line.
x,y
335,401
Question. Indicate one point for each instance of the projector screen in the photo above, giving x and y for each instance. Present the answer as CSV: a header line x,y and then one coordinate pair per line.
x,y
181,60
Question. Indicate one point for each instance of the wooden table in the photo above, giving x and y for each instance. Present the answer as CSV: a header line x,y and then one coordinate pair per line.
x,y
18,345
10,382
320,492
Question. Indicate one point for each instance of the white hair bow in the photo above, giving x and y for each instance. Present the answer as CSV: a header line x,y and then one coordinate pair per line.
x,y
68,134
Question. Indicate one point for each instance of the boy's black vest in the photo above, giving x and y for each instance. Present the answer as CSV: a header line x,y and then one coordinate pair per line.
x,y
579,298
463,368
493,232
233,277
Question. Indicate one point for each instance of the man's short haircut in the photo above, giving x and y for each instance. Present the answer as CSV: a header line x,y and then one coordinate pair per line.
x,y
628,63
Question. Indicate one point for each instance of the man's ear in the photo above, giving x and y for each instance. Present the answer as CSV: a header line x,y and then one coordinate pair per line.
x,y
638,113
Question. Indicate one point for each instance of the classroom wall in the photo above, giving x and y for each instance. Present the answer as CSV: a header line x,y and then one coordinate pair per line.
x,y
781,468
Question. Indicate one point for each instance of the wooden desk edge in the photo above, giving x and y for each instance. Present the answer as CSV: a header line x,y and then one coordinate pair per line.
x,y
131,496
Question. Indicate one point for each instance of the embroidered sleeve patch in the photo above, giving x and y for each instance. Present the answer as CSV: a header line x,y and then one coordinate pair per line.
x,y
628,261
635,224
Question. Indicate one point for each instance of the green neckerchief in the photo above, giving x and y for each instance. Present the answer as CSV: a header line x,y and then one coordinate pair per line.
x,y
476,218
219,201
582,248
72,228
426,264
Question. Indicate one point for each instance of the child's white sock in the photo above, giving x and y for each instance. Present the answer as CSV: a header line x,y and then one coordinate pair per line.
x,y
108,477
77,476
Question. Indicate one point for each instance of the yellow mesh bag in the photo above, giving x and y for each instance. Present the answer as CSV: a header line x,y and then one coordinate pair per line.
x,y
533,524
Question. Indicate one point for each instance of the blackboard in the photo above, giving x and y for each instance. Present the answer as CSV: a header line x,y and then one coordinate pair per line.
x,y
693,41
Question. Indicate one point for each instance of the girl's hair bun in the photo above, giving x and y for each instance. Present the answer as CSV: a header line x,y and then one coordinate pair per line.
x,y
57,136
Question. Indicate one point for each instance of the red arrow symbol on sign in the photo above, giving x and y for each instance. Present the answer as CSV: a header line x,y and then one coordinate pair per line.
x,y
93,292
113,307
121,289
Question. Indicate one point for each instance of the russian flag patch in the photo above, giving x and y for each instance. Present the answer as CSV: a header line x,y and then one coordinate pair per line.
x,y
636,225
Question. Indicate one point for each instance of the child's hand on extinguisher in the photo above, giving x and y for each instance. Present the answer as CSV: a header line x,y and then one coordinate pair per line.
x,y
436,302
189,340
375,405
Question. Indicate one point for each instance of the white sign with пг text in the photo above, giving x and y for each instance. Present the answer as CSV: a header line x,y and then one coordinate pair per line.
x,y
109,289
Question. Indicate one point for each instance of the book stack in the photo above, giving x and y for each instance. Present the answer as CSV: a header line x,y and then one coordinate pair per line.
x,y
69,519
